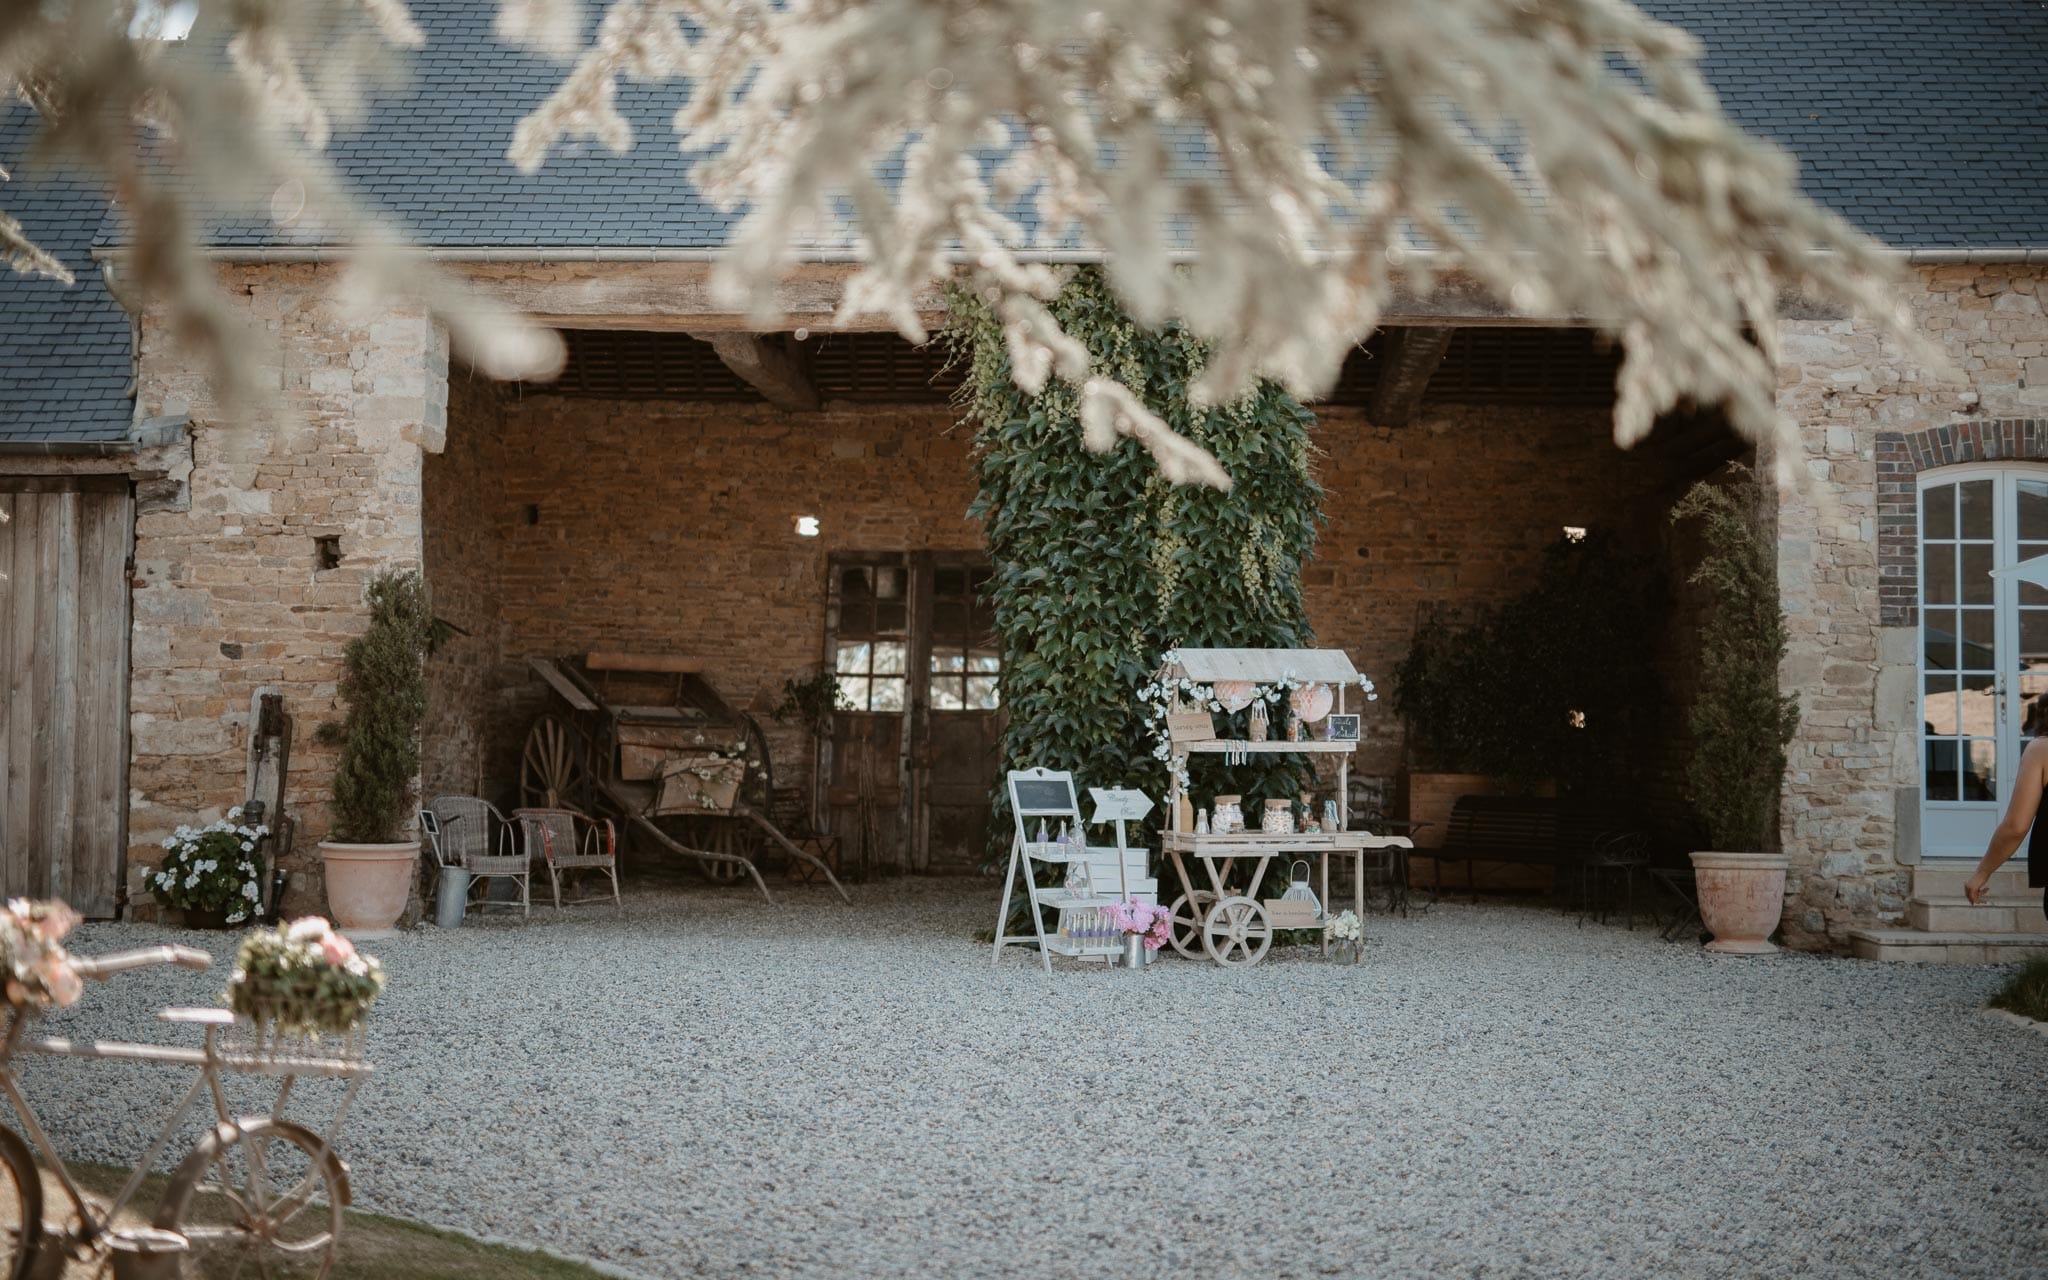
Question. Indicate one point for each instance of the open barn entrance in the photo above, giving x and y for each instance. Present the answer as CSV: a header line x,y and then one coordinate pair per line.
x,y
769,511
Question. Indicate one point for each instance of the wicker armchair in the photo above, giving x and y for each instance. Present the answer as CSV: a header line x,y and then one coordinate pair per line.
x,y
570,841
470,833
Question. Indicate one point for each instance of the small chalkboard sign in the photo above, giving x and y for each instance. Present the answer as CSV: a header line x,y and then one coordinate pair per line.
x,y
1341,728
1042,795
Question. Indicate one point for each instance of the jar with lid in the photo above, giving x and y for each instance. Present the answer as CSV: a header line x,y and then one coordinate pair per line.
x,y
1229,815
1278,819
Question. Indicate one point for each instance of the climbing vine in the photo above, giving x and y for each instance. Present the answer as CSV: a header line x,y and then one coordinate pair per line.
x,y
1101,565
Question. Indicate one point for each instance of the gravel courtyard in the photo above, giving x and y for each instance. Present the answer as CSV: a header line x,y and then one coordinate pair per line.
x,y
713,1087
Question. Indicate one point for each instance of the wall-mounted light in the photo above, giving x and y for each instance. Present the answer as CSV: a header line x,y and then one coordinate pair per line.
x,y
806,526
1574,533
1576,719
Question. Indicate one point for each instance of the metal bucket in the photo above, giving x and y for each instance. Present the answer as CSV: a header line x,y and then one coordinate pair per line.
x,y
1135,954
146,1253
452,898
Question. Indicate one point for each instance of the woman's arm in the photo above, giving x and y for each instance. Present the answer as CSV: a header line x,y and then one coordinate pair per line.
x,y
2012,829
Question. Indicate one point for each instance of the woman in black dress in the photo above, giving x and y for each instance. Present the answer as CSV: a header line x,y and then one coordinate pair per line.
x,y
2020,811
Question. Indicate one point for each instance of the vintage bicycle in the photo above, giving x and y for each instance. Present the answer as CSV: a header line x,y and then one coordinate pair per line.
x,y
257,1196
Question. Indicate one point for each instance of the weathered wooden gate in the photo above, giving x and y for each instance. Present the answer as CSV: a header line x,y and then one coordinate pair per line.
x,y
64,547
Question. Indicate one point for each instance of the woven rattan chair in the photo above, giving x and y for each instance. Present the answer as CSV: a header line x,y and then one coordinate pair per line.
x,y
470,833
569,842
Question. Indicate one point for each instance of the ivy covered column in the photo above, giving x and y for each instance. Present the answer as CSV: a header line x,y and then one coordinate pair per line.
x,y
1101,564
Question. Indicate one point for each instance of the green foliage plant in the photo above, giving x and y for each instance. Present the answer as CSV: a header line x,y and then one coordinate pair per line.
x,y
2026,991
811,702
1740,721
1101,565
384,685
1548,685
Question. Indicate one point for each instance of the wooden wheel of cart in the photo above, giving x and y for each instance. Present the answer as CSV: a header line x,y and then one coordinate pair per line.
x,y
1236,932
553,770
1184,923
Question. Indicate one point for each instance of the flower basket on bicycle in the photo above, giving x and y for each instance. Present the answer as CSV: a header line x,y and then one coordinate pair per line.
x,y
303,978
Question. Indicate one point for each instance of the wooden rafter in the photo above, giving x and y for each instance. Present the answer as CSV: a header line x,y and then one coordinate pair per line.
x,y
1411,360
769,365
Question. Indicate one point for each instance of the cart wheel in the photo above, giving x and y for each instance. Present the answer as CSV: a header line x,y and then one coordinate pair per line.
x,y
551,771
1184,925
1236,931
22,1199
258,1198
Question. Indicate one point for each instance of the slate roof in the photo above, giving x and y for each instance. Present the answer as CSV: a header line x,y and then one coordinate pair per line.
x,y
64,352
1925,122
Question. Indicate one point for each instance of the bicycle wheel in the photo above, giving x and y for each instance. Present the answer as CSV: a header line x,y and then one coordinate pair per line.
x,y
259,1198
21,1206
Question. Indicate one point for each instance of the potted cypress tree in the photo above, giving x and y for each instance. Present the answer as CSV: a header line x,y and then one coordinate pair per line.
x,y
1740,721
370,854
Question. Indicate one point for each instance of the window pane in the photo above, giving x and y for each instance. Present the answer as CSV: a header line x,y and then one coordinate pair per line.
x,y
980,661
1979,652
853,658
984,693
948,662
1942,710
1939,561
947,694
2033,511
2032,595
890,655
1942,754
1974,508
1938,639
891,618
1976,573
1978,707
1980,770
1938,507
854,689
888,695
2033,636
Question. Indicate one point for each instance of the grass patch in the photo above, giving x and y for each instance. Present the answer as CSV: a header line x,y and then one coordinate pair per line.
x,y
2026,992
373,1247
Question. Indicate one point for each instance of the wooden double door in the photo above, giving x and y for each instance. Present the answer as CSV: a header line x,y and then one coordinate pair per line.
x,y
910,769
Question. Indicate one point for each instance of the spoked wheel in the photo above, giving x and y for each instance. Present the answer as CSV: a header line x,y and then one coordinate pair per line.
x,y
1184,924
722,835
259,1200
1236,931
21,1207
552,770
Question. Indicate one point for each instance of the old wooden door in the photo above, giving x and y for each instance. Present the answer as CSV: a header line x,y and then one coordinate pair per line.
x,y
909,769
64,546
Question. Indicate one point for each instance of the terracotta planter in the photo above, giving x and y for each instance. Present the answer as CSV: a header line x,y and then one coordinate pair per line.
x,y
367,884
1741,897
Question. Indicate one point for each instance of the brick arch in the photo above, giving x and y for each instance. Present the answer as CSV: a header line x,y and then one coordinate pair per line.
x,y
1901,457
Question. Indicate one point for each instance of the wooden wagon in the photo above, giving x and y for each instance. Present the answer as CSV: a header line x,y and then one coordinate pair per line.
x,y
647,739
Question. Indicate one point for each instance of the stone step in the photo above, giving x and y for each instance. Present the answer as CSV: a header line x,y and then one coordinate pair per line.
x,y
2006,913
1945,948
1945,879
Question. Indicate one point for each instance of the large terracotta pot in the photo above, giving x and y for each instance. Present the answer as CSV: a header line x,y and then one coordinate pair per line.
x,y
367,884
1741,898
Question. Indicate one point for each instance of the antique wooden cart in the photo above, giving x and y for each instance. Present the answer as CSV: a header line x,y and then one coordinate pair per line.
x,y
647,739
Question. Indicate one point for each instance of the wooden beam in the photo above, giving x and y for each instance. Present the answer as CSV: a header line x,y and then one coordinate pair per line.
x,y
1411,360
769,366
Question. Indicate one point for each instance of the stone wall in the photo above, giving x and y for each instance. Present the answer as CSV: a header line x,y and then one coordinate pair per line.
x,y
463,494
1851,814
229,594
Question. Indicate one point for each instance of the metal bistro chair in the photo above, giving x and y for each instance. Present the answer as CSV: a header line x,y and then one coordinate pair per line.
x,y
571,841
1625,852
470,833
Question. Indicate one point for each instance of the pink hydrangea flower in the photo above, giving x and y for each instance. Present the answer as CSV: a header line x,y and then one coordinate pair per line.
x,y
337,949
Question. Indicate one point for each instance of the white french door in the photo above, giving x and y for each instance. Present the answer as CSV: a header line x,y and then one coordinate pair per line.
x,y
1983,645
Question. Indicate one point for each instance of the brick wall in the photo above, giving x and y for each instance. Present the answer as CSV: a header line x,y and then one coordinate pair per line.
x,y
1851,796
229,597
667,527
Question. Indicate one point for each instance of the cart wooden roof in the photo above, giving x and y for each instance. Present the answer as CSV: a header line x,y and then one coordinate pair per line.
x,y
1264,666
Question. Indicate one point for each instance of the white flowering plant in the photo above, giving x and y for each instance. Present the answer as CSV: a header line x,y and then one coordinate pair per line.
x,y
1345,927
1170,690
212,868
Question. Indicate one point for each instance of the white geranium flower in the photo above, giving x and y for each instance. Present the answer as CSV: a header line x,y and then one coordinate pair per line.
x,y
234,813
250,891
192,882
238,917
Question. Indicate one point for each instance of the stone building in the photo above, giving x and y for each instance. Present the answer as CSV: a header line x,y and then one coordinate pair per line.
x,y
658,498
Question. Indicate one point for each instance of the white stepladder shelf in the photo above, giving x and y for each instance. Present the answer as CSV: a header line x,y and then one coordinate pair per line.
x,y
1225,920
1108,875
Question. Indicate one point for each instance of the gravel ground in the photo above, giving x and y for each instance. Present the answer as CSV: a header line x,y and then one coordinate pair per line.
x,y
713,1087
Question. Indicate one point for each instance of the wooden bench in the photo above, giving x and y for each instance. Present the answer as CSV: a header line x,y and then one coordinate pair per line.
x,y
1521,831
